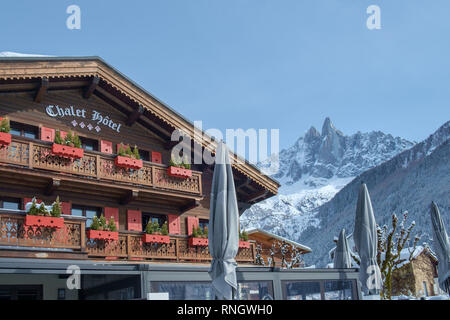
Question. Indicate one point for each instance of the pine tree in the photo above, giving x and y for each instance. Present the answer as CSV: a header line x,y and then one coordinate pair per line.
x,y
102,222
76,141
68,138
136,154
42,211
56,208
112,224
5,126
34,211
128,152
58,139
164,229
95,223
149,228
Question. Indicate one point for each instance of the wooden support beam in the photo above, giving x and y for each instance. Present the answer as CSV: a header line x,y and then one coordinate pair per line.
x,y
242,206
135,115
93,85
256,196
242,184
52,186
42,90
193,204
131,196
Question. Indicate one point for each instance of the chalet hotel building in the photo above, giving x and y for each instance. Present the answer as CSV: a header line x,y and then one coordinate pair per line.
x,y
46,97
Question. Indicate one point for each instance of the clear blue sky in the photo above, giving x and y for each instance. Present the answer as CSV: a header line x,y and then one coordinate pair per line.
x,y
262,64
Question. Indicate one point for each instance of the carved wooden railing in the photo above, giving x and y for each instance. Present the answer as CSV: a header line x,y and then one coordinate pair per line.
x,y
130,246
14,233
37,154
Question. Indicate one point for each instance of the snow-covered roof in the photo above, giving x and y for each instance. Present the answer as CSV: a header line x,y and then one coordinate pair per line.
x,y
272,235
7,54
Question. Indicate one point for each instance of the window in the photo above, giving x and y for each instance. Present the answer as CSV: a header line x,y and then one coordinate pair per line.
x,y
88,212
24,130
338,290
21,292
145,155
302,290
10,203
425,289
89,144
159,218
203,223
255,290
181,290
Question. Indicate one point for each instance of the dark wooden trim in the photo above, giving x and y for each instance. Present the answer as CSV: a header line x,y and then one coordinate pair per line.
x,y
135,115
256,196
42,90
90,90
52,186
193,204
131,196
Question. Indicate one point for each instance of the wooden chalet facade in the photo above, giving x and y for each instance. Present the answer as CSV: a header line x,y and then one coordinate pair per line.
x,y
104,108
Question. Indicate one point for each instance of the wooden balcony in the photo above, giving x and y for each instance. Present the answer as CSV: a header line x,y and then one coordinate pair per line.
x,y
18,240
37,155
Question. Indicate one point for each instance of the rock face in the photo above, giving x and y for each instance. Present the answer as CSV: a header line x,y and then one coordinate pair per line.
x,y
408,181
312,171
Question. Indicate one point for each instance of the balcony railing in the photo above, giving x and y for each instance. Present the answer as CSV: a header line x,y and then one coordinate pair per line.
x,y
15,235
38,154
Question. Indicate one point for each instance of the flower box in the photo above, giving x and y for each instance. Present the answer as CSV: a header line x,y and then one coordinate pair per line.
x,y
179,172
129,163
42,221
198,242
155,238
103,235
67,151
5,139
244,244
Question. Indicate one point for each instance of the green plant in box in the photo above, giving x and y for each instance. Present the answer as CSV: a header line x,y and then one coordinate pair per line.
x,y
95,223
149,228
136,154
34,210
56,208
5,126
112,224
42,211
76,141
58,139
164,229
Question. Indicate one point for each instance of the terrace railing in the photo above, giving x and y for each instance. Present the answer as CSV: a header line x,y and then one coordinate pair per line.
x,y
15,234
37,154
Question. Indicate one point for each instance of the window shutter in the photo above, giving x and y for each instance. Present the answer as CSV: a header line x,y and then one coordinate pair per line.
x,y
134,220
66,208
106,146
191,222
174,224
112,212
47,134
156,157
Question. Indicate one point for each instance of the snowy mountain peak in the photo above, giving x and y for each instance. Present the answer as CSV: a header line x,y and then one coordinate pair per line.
x,y
312,171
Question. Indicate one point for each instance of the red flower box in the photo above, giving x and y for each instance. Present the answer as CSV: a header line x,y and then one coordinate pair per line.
x,y
244,244
179,172
155,238
41,221
67,151
103,235
129,163
198,242
5,139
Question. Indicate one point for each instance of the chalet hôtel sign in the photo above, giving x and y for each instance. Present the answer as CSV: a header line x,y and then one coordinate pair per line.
x,y
91,120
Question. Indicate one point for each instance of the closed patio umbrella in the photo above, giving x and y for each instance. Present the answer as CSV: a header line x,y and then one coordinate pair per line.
x,y
223,230
441,246
365,237
342,258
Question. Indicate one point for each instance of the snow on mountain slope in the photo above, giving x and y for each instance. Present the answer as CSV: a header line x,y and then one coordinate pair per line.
x,y
312,171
